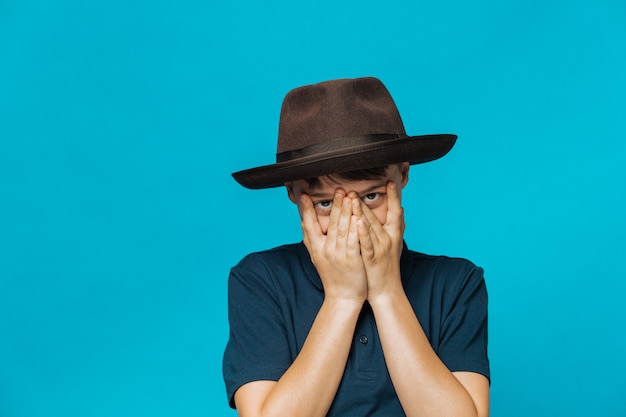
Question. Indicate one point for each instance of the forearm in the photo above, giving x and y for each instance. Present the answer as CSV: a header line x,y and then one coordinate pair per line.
x,y
424,385
310,384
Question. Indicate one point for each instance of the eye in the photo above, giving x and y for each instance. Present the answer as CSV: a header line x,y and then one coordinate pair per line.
x,y
323,207
373,200
371,197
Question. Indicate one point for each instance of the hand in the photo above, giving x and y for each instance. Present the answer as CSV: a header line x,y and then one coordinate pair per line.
x,y
381,244
336,255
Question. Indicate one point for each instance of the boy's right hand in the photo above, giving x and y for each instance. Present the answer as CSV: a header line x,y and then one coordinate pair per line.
x,y
336,254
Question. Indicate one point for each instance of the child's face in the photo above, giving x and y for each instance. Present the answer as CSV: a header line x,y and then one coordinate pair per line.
x,y
373,193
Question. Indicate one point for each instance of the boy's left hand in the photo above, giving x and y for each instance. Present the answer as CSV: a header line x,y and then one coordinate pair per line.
x,y
381,245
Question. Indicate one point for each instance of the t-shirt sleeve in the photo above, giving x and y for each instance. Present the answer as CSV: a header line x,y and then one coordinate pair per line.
x,y
464,333
257,348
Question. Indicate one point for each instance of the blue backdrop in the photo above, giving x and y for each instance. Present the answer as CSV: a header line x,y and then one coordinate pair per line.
x,y
121,121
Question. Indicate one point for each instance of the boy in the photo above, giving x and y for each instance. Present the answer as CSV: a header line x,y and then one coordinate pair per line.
x,y
351,322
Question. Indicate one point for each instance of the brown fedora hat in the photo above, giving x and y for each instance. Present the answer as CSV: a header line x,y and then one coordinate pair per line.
x,y
338,126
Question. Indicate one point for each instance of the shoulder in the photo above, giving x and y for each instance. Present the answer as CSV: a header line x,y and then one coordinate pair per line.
x,y
446,273
441,265
271,258
269,268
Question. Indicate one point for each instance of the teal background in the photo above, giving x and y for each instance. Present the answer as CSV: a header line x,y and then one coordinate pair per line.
x,y
121,121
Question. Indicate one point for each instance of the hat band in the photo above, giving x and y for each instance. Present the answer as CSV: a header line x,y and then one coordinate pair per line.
x,y
336,145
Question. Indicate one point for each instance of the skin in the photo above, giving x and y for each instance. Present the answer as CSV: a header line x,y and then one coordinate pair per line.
x,y
354,231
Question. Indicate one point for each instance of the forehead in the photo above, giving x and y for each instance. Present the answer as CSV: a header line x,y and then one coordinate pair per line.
x,y
327,184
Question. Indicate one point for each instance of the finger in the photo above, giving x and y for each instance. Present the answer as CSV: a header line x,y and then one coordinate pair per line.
x,y
395,213
394,224
343,227
358,210
306,239
375,241
356,205
353,245
335,215
311,228
371,221
365,239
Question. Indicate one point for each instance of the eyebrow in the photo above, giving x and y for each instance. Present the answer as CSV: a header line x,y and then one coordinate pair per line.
x,y
320,195
331,195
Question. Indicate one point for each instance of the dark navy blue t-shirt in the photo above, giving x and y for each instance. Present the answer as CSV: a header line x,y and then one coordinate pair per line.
x,y
274,297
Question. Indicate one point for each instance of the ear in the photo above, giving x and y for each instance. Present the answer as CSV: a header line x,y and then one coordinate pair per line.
x,y
290,192
404,170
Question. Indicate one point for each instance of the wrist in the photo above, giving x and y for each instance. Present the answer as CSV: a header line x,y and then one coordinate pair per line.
x,y
344,303
391,294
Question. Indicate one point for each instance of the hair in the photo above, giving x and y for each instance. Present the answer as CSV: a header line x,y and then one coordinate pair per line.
x,y
356,175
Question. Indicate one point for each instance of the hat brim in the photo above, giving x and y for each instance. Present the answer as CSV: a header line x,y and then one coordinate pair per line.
x,y
412,149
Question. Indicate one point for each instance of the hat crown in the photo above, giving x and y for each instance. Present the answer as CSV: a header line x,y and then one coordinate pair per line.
x,y
339,126
331,110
